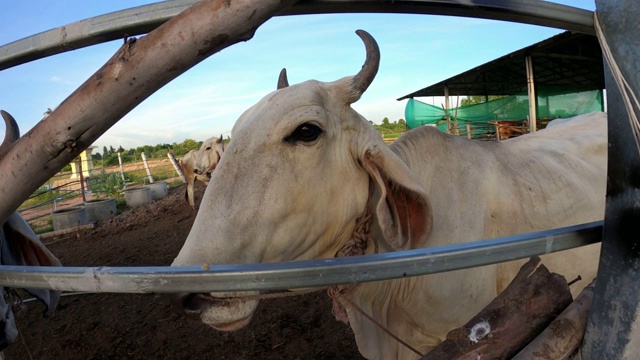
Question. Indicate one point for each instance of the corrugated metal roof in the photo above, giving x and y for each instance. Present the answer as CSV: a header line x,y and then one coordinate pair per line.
x,y
567,62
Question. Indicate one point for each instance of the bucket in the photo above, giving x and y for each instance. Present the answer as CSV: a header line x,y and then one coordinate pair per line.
x,y
100,209
137,196
69,217
159,190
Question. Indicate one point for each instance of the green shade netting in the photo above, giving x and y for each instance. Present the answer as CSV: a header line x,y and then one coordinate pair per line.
x,y
509,108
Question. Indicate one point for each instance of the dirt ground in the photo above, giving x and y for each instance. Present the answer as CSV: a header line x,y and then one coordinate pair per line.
x,y
134,326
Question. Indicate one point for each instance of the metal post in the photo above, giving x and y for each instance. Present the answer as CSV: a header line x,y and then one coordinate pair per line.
x,y
613,331
532,94
146,167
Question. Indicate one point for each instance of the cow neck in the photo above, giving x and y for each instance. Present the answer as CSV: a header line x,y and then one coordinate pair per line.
x,y
213,166
356,245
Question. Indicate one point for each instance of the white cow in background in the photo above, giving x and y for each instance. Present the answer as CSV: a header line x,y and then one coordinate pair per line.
x,y
198,165
297,177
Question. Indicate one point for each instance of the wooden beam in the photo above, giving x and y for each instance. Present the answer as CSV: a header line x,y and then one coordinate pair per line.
x,y
531,91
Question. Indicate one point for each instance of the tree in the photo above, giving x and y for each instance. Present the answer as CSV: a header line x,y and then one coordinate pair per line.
x,y
471,100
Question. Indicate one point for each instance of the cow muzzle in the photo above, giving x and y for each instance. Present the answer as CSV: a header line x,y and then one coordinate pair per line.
x,y
225,312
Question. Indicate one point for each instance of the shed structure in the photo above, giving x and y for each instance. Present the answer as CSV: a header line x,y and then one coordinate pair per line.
x,y
558,77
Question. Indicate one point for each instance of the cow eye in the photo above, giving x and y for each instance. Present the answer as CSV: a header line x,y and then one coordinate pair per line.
x,y
305,132
208,148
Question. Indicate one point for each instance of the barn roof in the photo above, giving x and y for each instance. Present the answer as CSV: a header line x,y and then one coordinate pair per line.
x,y
568,62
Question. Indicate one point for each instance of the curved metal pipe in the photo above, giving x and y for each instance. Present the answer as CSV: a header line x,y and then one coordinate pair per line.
x,y
142,19
299,274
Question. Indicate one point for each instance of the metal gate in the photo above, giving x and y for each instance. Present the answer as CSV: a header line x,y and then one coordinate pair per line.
x,y
612,329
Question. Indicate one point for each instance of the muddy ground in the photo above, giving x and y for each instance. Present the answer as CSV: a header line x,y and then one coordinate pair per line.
x,y
134,326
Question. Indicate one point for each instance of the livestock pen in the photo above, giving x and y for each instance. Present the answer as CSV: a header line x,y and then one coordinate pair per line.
x,y
615,318
88,183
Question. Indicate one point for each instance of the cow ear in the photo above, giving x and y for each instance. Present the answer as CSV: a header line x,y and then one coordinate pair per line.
x,y
403,210
21,246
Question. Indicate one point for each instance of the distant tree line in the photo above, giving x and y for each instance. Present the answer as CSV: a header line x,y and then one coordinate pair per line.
x,y
391,128
472,100
109,155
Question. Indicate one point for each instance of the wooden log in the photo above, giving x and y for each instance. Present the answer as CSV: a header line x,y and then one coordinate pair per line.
x,y
514,318
563,336
137,70
65,231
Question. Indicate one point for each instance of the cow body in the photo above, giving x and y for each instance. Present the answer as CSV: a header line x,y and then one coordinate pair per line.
x,y
296,192
199,164
480,190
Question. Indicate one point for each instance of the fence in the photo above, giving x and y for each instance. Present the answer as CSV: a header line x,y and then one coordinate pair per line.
x,y
89,179
129,22
617,268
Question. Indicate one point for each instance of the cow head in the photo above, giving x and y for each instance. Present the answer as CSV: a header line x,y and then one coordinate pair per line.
x,y
293,182
19,245
208,156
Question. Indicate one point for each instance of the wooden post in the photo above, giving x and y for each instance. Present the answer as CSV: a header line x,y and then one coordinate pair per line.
x,y
515,317
456,131
84,199
176,166
121,168
446,116
468,131
563,336
446,107
532,94
146,167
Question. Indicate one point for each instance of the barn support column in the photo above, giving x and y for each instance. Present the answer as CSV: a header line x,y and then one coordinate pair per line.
x,y
532,94
613,331
447,106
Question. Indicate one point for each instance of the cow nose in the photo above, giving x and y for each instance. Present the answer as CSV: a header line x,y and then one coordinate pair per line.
x,y
196,170
187,304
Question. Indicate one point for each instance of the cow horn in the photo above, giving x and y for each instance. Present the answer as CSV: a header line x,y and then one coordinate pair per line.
x,y
363,79
282,79
11,135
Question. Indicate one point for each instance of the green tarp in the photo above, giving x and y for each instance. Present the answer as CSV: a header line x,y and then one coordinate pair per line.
x,y
509,108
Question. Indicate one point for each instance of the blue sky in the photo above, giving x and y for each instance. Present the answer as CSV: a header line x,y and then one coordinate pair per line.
x,y
416,51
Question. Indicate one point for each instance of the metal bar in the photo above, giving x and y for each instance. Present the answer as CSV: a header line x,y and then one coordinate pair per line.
x,y
613,330
142,19
299,274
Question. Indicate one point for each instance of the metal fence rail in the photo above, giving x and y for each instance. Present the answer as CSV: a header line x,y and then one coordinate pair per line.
x,y
142,19
300,274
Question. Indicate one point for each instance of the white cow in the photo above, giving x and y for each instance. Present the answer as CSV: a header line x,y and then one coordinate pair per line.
x,y
298,175
198,165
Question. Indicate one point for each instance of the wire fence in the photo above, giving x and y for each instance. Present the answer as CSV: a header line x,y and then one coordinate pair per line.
x,y
90,179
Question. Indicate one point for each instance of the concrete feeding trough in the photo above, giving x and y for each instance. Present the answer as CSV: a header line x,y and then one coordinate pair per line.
x,y
137,196
69,217
159,190
100,209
